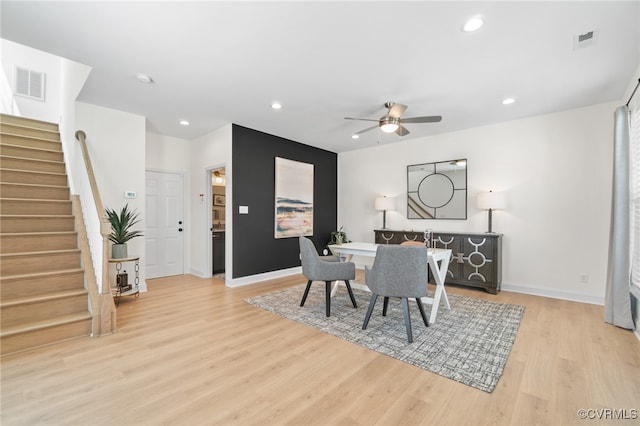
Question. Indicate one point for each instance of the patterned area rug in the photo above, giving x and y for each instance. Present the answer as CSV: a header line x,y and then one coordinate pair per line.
x,y
470,343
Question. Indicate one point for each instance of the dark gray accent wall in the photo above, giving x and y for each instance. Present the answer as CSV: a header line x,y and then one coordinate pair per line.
x,y
255,249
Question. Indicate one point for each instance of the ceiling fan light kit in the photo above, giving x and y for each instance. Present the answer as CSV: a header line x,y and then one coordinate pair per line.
x,y
389,124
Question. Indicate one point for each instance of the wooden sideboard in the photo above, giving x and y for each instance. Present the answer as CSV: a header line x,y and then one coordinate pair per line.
x,y
476,258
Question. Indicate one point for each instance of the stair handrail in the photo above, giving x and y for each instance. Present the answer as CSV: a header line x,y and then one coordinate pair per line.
x,y
105,231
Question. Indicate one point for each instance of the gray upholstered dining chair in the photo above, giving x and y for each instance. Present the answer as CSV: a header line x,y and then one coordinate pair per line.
x,y
398,271
324,268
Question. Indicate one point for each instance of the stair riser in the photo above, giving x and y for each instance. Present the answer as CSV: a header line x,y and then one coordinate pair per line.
x,y
37,242
35,207
31,142
29,132
30,153
13,288
37,263
12,225
55,333
32,165
38,311
35,192
28,122
18,176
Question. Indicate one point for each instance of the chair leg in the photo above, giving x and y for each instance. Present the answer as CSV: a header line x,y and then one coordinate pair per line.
x,y
407,318
372,303
421,307
306,293
385,305
328,297
353,299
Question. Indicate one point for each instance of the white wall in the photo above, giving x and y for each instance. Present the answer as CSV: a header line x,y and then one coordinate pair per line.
x,y
556,171
210,151
13,55
116,144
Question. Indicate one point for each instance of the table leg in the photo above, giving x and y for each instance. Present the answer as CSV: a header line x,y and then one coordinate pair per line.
x,y
439,275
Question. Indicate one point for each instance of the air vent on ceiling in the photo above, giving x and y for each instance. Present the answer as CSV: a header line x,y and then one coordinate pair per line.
x,y
583,40
29,83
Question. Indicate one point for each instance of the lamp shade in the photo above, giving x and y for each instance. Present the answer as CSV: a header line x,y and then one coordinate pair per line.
x,y
492,200
384,203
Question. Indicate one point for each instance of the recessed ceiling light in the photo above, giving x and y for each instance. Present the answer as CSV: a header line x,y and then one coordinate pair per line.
x,y
508,101
276,105
143,78
355,136
473,24
184,123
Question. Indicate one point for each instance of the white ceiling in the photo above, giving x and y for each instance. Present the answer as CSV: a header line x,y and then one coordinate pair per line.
x,y
216,63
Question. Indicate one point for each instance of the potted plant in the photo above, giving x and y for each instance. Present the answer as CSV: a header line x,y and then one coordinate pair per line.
x,y
339,237
121,232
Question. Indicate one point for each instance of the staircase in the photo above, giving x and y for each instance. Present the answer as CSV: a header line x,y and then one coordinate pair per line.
x,y
42,294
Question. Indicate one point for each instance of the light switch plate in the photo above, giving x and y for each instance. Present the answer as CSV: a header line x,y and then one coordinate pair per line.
x,y
243,210
129,194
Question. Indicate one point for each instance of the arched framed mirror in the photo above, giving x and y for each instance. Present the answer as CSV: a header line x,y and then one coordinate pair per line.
x,y
437,190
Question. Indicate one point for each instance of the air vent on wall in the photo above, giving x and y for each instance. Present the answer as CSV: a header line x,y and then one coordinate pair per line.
x,y
583,40
29,83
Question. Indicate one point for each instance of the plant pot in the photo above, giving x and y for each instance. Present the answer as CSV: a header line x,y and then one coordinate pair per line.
x,y
119,251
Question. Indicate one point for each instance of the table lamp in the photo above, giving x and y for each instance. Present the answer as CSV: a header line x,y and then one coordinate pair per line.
x,y
383,204
491,201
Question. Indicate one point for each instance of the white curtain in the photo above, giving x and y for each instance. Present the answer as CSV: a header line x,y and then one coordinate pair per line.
x,y
617,309
635,192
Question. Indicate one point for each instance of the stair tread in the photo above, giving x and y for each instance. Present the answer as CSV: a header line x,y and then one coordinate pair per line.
x,y
35,275
36,216
52,295
31,159
55,139
42,324
55,151
4,169
45,233
48,200
37,253
31,185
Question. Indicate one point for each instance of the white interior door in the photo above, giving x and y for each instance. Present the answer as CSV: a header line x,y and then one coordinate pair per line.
x,y
164,229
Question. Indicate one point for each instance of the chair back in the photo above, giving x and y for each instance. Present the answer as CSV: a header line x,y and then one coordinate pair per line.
x,y
309,257
399,271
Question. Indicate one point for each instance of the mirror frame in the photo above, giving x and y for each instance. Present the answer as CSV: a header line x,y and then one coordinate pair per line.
x,y
445,182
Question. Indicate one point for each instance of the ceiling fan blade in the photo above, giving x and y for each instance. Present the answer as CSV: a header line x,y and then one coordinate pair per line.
x,y
362,119
366,130
402,131
428,119
396,110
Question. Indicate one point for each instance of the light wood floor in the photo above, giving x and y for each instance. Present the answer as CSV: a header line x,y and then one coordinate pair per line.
x,y
191,352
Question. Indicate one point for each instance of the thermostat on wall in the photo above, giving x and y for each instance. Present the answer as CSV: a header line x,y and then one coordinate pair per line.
x,y
129,194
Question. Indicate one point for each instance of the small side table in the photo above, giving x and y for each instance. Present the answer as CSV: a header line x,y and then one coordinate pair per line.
x,y
129,289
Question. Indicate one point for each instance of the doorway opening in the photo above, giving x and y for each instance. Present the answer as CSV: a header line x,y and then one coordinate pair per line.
x,y
218,221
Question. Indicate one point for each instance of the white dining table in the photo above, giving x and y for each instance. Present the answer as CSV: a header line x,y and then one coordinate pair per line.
x,y
438,262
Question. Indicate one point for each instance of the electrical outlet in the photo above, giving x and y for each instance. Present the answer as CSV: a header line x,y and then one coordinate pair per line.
x,y
584,279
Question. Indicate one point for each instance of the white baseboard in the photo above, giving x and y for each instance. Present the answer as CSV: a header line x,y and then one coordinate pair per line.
x,y
253,279
554,294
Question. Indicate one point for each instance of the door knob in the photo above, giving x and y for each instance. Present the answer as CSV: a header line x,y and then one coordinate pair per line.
x,y
179,222
179,229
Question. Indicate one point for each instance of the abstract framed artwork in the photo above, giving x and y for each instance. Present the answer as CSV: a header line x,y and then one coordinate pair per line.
x,y
293,198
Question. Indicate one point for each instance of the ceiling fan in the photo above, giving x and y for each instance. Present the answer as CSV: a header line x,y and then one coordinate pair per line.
x,y
391,121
